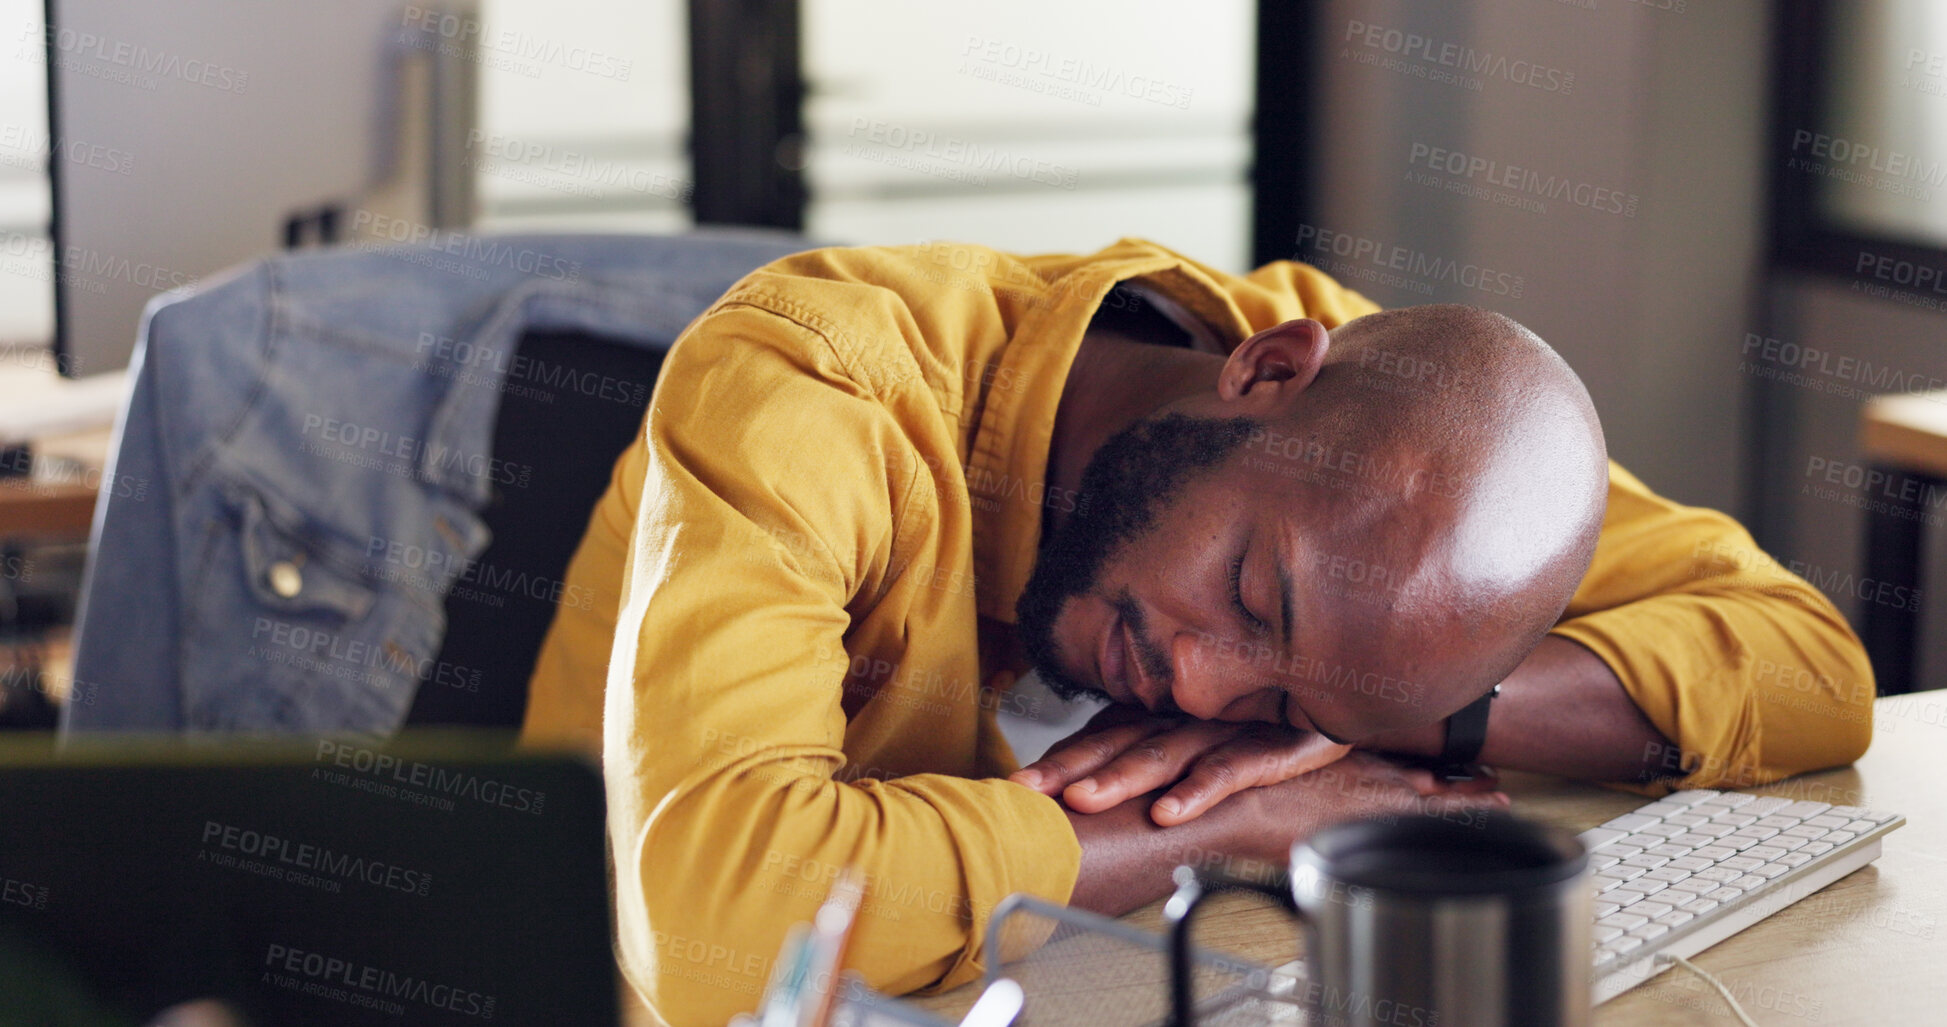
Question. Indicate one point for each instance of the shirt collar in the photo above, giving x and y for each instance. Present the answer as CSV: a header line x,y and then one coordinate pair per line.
x,y
1007,469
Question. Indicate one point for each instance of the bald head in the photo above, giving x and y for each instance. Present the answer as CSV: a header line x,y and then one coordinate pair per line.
x,y
1406,503
1460,458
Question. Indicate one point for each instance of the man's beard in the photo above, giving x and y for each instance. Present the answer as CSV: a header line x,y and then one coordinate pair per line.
x,y
1131,477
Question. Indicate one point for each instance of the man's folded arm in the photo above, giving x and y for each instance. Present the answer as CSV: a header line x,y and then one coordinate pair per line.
x,y
1747,670
766,512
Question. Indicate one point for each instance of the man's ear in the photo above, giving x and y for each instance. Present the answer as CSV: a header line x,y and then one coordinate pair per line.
x,y
1283,358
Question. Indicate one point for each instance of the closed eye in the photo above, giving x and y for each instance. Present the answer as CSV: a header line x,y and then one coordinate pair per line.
x,y
1237,596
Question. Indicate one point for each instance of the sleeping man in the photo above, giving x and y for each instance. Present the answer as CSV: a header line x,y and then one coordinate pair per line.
x,y
1306,546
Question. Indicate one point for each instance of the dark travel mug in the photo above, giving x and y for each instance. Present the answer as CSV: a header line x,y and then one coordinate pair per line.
x,y
1468,918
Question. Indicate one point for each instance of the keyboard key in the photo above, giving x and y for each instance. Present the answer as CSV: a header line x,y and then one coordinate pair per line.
x,y
1803,831
1624,945
1741,863
1839,837
1740,842
1668,875
1734,819
1649,930
1713,853
1596,837
1754,831
1623,872
1694,885
1644,840
1694,862
1764,852
1676,918
1646,861
1801,810
1608,884
1667,850
1649,908
1629,822
1621,851
1826,820
1661,809
1847,811
1771,870
1860,826
1693,839
1722,875
1816,849
1715,829
1699,905
1778,822
1693,796
1764,805
1749,882
1879,816
1605,906
1603,860
1727,893
1664,830
1622,921
1787,842
1733,800
1794,859
1684,819
1645,885
1602,934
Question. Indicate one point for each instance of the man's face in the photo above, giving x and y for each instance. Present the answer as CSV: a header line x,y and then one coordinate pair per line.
x,y
1203,576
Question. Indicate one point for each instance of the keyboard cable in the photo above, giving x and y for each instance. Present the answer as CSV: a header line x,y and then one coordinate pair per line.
x,y
1729,999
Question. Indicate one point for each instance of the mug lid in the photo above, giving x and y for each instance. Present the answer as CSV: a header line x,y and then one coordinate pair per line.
x,y
1483,852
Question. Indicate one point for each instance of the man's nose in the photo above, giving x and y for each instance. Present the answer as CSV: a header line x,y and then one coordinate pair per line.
x,y
1213,672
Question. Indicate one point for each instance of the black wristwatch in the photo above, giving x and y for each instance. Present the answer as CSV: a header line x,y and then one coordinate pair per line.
x,y
1466,733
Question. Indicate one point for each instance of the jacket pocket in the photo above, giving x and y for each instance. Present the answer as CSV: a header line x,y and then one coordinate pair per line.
x,y
290,631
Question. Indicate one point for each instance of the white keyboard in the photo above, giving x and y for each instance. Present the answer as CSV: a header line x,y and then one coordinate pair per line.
x,y
1693,868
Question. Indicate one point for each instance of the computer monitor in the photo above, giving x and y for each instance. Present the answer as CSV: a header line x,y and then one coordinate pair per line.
x,y
341,882
218,131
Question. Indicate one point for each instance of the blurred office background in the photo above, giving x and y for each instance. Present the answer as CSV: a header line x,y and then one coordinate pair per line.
x,y
1687,198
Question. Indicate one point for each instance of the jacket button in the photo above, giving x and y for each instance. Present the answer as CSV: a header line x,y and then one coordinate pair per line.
x,y
285,579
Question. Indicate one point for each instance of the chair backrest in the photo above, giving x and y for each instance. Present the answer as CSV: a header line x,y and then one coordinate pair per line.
x,y
497,614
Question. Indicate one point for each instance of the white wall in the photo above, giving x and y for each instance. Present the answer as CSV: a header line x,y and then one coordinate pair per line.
x,y
1664,113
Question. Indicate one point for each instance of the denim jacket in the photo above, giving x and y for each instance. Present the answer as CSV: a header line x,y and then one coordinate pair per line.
x,y
284,414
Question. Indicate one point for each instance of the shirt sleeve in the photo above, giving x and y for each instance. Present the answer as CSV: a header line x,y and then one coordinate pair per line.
x,y
765,506
1750,671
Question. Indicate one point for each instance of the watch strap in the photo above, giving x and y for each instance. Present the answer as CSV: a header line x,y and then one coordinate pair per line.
x,y
1466,734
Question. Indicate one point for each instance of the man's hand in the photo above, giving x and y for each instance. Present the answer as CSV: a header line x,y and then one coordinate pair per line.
x,y
1125,752
1126,858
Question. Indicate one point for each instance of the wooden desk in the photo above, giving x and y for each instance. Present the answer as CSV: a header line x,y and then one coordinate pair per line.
x,y
1867,950
1905,435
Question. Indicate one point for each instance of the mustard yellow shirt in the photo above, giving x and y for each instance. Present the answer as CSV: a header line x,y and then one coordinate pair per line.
x,y
807,566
